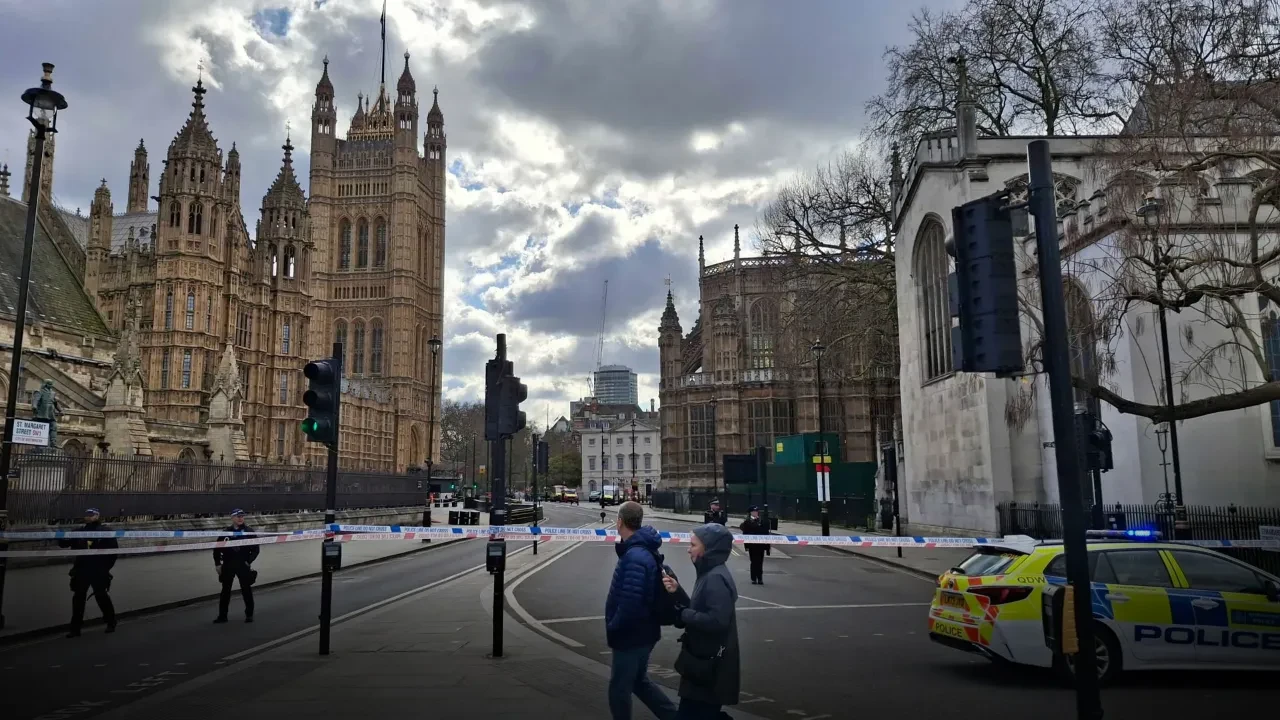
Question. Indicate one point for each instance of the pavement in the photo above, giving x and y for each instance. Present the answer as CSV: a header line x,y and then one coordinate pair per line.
x,y
37,599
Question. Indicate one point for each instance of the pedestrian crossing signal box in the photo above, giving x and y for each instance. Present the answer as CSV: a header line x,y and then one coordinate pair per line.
x,y
330,556
1058,615
495,556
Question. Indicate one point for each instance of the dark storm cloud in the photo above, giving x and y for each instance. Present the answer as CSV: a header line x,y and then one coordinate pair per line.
x,y
572,305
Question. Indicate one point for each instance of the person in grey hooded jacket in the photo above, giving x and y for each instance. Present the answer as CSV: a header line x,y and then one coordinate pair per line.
x,y
709,659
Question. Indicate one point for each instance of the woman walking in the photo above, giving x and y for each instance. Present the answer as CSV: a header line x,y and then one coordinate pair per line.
x,y
708,661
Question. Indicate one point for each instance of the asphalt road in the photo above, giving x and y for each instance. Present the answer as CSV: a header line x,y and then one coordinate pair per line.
x,y
59,678
830,635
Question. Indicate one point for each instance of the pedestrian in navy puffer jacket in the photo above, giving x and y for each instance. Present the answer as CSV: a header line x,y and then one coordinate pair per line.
x,y
632,625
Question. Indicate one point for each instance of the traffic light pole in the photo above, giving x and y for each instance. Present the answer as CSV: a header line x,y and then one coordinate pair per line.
x,y
330,551
1066,450
533,466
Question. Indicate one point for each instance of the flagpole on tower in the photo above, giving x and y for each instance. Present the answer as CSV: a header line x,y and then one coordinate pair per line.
x,y
384,43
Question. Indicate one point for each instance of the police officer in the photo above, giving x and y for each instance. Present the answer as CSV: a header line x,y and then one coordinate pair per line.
x,y
755,525
715,514
91,572
233,564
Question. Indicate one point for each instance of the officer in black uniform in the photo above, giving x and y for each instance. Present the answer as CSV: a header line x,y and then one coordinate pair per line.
x,y
715,514
755,525
91,572
233,564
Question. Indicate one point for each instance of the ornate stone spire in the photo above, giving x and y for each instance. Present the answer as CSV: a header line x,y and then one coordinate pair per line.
x,y
737,247
195,134
285,192
227,378
406,84
434,114
670,320
127,362
4,180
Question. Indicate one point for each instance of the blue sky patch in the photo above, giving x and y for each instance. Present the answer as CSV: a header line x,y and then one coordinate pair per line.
x,y
273,21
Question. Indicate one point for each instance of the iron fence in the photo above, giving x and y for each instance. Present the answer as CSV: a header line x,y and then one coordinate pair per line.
x,y
854,511
52,488
1044,521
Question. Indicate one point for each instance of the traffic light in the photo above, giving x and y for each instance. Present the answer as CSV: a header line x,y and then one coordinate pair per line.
x,y
322,399
494,371
1097,439
511,392
544,457
984,288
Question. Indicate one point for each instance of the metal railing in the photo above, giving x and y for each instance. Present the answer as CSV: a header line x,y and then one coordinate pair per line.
x,y
1204,522
54,487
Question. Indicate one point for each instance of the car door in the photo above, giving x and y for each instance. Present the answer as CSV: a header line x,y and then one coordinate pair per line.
x,y
1137,581
1236,623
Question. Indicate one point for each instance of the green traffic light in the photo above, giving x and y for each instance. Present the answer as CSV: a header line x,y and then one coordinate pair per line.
x,y
310,426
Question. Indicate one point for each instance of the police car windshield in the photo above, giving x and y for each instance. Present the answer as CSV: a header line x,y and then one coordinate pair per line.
x,y
987,561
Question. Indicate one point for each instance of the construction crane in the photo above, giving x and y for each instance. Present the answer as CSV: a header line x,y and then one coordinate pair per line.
x,y
591,389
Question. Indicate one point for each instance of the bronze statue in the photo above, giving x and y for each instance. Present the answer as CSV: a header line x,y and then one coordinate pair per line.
x,y
45,407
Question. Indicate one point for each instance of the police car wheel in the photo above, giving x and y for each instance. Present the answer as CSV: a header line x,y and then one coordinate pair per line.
x,y
1106,654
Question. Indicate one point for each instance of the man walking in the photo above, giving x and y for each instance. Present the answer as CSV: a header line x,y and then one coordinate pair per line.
x,y
632,619
91,572
233,563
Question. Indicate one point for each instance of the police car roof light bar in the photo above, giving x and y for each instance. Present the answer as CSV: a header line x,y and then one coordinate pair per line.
x,y
1150,535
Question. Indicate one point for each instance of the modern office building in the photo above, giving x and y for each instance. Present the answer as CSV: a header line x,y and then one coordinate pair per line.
x,y
616,385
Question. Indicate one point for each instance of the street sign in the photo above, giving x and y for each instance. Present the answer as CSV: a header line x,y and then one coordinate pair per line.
x,y
824,482
740,469
31,432
1269,532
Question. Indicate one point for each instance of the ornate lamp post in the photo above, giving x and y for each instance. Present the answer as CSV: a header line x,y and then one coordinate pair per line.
x,y
818,351
434,343
43,104
715,475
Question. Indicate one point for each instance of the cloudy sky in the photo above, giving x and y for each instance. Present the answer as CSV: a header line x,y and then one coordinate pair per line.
x,y
588,139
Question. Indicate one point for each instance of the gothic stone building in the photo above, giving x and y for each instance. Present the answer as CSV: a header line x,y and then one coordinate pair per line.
x,y
186,334
732,357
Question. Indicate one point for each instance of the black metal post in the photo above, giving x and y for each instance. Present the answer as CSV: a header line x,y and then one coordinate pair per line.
x,y
822,451
475,484
533,468
431,433
15,363
498,513
763,474
1179,509
1066,448
330,517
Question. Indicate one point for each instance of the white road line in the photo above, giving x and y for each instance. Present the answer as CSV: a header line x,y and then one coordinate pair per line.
x,y
587,618
368,608
768,606
530,620
762,602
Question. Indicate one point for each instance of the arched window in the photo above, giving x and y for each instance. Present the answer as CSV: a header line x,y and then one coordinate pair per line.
x,y
380,244
186,369
1082,339
164,368
175,214
191,311
286,338
375,347
357,348
344,250
340,337
213,226
208,314
195,218
362,244
932,264
290,261
763,323
273,257
168,310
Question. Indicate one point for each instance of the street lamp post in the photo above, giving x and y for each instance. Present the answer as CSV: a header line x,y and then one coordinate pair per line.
x,y
818,350
43,104
715,475
434,344
1150,212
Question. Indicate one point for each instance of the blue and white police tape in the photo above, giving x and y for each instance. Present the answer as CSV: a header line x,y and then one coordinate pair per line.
x,y
181,547
154,534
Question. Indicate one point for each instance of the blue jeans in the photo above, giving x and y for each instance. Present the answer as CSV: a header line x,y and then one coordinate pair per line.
x,y
630,674
697,710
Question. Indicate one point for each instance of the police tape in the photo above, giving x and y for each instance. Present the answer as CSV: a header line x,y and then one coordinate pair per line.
x,y
151,549
152,534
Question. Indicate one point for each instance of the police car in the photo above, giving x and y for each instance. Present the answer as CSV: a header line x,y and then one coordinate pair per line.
x,y
1156,605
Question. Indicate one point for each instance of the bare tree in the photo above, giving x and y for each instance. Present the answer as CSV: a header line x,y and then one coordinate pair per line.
x,y
1032,66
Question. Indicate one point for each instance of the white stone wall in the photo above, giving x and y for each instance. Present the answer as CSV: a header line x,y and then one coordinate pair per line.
x,y
589,448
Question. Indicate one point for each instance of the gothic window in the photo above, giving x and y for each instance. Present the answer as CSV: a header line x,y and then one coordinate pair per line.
x,y
832,415
1271,345
191,311
701,434
284,387
344,252
648,461
290,261
375,347
186,369
764,323
380,244
244,329
362,244
357,348
1082,339
195,218
193,172
274,257
932,300
213,227
285,338
340,337
175,214
770,419
208,315
280,440
168,310
164,368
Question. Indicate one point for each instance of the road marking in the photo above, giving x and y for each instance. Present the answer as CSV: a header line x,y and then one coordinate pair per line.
x,y
530,620
585,618
763,602
768,606
368,608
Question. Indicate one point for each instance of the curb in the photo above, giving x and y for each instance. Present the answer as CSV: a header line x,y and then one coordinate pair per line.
x,y
25,635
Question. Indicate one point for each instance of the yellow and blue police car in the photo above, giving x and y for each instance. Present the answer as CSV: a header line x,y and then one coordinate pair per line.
x,y
1156,605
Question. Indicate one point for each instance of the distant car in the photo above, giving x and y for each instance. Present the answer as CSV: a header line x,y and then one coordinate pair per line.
x,y
594,496
571,496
